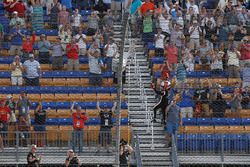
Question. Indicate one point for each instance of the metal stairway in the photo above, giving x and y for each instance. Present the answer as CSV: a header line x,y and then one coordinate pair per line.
x,y
141,99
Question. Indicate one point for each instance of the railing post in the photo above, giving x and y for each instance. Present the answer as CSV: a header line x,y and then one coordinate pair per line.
x,y
222,150
17,146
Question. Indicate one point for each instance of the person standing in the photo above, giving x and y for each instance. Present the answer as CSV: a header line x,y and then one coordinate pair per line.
x,y
63,16
43,47
17,72
12,106
159,43
27,46
174,118
57,55
72,50
40,125
105,136
76,19
37,15
78,118
16,38
111,52
23,105
33,159
125,151
81,41
5,114
33,70
72,160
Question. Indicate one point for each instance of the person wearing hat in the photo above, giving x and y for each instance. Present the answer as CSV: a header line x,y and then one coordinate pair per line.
x,y
33,159
105,136
32,70
78,118
16,38
43,48
16,20
72,160
173,118
111,51
12,106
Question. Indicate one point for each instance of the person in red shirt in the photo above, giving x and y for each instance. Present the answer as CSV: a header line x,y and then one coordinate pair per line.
x,y
171,55
78,118
146,7
27,46
20,8
9,5
72,50
5,114
244,52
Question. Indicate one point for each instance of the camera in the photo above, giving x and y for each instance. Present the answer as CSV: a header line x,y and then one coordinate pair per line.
x,y
123,142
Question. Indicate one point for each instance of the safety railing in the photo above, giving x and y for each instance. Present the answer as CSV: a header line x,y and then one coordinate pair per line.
x,y
174,155
138,152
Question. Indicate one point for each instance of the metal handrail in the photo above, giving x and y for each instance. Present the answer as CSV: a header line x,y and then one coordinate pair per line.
x,y
138,152
174,155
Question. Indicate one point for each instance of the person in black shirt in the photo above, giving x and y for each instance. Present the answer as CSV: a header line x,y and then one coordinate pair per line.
x,y
105,137
40,121
125,151
72,160
32,159
163,102
245,98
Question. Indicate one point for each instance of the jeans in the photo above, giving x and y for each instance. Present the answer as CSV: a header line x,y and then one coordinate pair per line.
x,y
77,139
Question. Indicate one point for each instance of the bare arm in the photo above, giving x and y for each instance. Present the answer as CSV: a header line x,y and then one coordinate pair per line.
x,y
114,107
98,106
72,107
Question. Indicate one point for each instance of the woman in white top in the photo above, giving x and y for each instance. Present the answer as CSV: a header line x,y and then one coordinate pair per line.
x,y
16,72
233,62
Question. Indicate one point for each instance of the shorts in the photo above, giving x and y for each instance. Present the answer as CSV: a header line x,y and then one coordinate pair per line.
x,y
95,79
105,136
40,128
187,112
172,127
16,80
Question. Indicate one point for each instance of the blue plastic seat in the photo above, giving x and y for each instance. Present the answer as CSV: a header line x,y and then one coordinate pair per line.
x,y
32,89
245,121
63,105
151,46
89,90
204,121
193,143
102,90
124,105
181,142
207,142
189,121
157,74
64,121
124,121
157,60
90,105
49,105
234,121
61,89
108,104
83,60
5,90
239,142
40,32
113,90
93,121
74,74
52,32
47,89
219,121
107,75
52,121
4,74
33,105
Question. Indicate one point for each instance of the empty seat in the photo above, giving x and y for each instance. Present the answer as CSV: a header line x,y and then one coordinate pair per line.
x,y
46,82
106,97
245,113
84,67
204,121
59,81
92,135
221,129
92,113
76,97
52,135
62,97
64,113
234,81
73,82
219,121
46,67
34,97
52,114
65,134
5,81
89,97
4,67
47,97
236,129
192,129
207,129
189,121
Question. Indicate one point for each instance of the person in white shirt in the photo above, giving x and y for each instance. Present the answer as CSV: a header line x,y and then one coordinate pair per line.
x,y
233,62
165,23
16,72
111,52
81,41
76,21
159,42
194,32
192,4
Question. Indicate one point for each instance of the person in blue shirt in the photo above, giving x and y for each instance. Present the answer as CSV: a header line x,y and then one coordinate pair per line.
x,y
187,103
173,118
134,12
16,37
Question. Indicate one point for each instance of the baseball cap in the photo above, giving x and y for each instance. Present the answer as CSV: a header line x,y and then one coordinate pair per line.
x,y
31,55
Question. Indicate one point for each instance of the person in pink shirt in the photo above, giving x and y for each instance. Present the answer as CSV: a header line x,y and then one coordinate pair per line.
x,y
63,16
171,54
244,52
